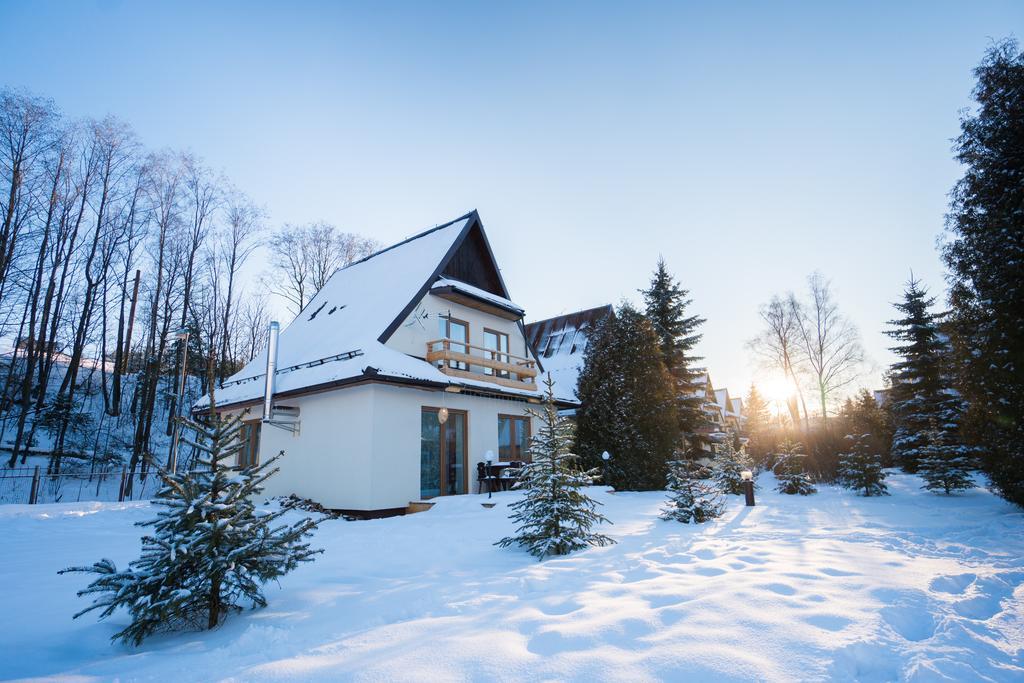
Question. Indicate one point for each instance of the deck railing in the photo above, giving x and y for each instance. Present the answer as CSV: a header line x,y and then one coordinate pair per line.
x,y
469,361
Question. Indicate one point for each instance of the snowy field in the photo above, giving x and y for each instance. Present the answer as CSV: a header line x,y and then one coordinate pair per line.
x,y
910,587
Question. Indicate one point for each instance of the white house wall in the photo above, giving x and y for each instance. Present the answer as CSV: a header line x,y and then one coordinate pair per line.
x,y
328,460
358,448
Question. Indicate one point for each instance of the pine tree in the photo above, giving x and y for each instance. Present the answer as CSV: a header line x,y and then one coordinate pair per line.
x,y
986,263
628,405
920,396
757,424
210,551
860,468
666,308
691,498
861,414
555,516
728,467
790,470
945,466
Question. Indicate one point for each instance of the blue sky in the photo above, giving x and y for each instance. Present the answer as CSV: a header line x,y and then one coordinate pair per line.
x,y
747,143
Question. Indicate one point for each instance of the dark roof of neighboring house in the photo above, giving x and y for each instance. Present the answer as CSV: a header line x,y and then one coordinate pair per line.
x,y
538,333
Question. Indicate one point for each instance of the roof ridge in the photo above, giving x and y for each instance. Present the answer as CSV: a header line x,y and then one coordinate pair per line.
x,y
410,239
566,315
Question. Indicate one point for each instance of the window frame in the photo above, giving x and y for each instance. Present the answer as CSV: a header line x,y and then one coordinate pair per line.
x,y
507,352
517,442
448,320
250,434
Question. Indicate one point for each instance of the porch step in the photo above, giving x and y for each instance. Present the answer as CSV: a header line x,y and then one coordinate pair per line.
x,y
418,506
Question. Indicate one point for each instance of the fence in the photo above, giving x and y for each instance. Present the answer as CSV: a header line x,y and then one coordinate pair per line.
x,y
32,485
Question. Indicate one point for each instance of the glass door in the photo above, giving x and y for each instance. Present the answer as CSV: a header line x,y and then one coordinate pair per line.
x,y
443,470
496,344
456,331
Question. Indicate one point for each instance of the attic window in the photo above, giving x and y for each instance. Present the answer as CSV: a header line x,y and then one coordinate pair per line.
x,y
318,310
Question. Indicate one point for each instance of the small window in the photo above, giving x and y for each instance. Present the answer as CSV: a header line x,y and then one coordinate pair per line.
x,y
249,435
513,438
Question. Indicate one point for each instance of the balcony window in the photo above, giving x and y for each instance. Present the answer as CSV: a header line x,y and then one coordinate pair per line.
x,y
496,343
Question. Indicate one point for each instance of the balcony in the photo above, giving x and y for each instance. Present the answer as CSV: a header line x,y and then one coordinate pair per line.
x,y
469,361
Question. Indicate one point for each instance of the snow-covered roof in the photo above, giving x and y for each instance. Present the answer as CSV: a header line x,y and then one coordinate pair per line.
x,y
341,333
477,293
560,343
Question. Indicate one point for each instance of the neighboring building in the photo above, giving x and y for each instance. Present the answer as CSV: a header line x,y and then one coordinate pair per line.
x,y
368,371
560,343
724,413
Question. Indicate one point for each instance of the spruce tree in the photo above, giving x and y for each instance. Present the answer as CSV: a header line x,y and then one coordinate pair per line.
x,y
860,467
791,472
861,415
691,497
757,425
728,466
920,397
556,516
945,467
628,404
210,550
666,308
986,263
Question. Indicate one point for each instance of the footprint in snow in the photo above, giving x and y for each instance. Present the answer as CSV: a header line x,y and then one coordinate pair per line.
x,y
837,572
954,584
907,612
781,588
709,571
828,622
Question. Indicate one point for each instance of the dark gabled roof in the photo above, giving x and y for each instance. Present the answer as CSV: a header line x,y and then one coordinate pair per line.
x,y
538,333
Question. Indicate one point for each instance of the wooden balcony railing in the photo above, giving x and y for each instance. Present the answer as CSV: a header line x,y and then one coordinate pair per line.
x,y
469,361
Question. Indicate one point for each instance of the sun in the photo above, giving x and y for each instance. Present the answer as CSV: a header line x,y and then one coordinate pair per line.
x,y
776,389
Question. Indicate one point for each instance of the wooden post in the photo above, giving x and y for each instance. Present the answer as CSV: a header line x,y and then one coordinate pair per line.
x,y
33,495
124,481
748,489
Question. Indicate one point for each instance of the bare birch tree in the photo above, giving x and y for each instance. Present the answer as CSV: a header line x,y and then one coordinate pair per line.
x,y
778,348
830,341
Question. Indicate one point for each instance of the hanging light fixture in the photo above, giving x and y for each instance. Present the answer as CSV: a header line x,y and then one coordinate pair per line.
x,y
442,415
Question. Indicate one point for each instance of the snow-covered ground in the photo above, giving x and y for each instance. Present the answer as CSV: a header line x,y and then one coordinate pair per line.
x,y
913,586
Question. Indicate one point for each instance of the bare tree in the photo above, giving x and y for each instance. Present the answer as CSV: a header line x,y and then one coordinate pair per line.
x,y
830,342
239,239
303,258
253,327
779,347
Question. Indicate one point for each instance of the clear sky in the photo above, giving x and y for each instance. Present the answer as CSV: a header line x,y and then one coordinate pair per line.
x,y
747,143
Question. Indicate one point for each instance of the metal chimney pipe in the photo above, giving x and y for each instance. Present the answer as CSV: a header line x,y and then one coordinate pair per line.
x,y
268,389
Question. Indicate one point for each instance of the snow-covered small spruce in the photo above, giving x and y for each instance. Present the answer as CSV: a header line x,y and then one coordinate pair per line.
x,y
211,549
728,466
691,498
790,472
555,517
860,467
945,466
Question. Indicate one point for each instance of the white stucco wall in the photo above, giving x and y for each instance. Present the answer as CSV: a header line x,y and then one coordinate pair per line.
x,y
358,448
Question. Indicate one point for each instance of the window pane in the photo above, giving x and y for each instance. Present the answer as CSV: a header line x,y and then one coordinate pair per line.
x,y
455,440
504,439
523,432
430,454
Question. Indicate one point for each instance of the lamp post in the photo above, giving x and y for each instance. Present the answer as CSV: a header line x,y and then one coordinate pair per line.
x,y
748,486
605,457
172,461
